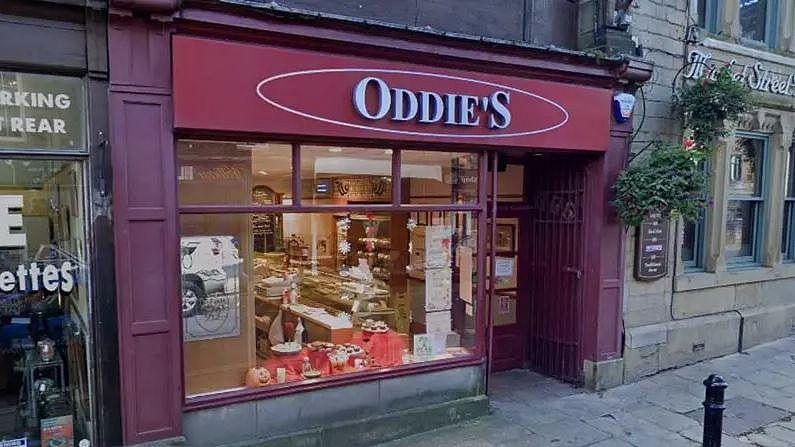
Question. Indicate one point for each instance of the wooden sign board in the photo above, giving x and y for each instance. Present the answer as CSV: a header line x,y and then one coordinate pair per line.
x,y
651,253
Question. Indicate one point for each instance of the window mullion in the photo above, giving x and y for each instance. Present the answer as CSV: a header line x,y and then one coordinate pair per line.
x,y
297,190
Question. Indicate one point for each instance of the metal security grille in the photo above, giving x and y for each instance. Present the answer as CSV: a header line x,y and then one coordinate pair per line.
x,y
556,258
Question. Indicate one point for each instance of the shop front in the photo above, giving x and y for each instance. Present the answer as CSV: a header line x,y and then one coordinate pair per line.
x,y
307,229
50,349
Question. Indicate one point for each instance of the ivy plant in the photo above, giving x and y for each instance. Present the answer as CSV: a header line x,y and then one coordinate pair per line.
x,y
671,180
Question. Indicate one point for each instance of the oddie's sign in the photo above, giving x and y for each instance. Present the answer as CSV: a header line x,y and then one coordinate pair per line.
x,y
298,93
430,107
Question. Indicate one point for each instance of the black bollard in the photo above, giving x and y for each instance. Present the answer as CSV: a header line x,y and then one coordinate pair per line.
x,y
713,410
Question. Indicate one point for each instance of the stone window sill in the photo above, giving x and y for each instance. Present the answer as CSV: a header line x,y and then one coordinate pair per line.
x,y
740,275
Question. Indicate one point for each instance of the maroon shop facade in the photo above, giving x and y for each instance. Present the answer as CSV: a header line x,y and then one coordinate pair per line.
x,y
352,170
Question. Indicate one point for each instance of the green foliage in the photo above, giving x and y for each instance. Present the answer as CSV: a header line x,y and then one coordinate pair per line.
x,y
670,181
708,102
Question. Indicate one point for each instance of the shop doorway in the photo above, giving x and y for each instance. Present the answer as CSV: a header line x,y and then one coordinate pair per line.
x,y
536,307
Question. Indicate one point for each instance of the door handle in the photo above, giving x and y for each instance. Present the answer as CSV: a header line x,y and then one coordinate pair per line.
x,y
577,272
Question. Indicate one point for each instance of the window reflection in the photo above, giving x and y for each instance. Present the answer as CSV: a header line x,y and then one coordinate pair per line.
x,y
753,19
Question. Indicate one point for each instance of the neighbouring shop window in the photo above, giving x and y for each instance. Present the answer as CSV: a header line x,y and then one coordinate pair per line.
x,y
759,20
296,296
745,199
788,235
44,304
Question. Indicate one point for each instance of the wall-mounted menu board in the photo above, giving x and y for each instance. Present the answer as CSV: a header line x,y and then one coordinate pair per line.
x,y
651,254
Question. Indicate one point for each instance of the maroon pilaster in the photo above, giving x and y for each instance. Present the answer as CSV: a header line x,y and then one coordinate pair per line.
x,y
145,225
603,298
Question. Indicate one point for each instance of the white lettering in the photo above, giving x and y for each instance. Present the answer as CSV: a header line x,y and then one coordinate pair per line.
x,y
34,276
49,278
7,281
430,107
501,118
68,282
58,126
16,124
44,126
755,75
9,221
360,98
62,101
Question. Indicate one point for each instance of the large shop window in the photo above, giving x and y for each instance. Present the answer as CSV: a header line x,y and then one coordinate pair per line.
x,y
353,280
746,192
788,235
759,20
44,305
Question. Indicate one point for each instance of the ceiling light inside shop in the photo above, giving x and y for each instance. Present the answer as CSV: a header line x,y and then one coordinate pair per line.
x,y
335,149
363,166
262,173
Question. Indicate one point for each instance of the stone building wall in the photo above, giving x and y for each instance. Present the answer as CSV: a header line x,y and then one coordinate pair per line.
x,y
695,314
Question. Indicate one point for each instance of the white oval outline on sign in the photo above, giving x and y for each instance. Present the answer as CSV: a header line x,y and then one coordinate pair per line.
x,y
408,132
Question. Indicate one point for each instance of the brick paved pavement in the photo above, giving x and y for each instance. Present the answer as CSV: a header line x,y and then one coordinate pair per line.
x,y
662,410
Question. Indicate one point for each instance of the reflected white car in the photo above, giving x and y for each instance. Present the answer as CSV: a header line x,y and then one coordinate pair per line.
x,y
209,264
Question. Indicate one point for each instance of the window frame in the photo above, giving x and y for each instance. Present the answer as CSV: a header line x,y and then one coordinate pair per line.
x,y
788,215
758,201
481,210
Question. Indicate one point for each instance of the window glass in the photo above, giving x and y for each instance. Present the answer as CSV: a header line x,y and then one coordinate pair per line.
x,y
332,175
343,293
211,172
740,226
788,233
689,240
746,169
702,13
44,306
439,177
753,19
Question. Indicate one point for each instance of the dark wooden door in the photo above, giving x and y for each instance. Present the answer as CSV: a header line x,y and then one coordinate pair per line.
x,y
556,191
510,300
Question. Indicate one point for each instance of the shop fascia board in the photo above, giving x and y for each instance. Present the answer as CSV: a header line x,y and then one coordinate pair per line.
x,y
511,58
705,280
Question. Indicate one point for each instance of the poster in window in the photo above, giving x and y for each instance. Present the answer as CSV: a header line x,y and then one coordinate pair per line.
x,y
211,269
57,431
437,246
438,289
504,309
505,272
505,240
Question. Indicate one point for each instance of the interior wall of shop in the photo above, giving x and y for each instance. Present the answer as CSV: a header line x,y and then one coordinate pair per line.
x,y
543,22
687,317
68,37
